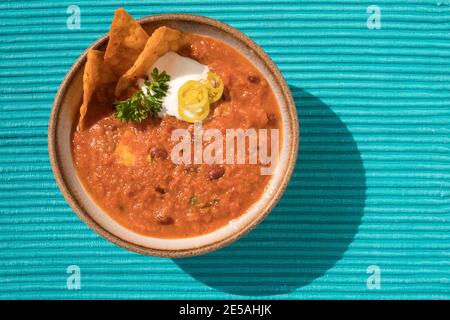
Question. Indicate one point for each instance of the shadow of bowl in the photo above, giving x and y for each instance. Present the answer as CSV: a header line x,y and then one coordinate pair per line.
x,y
313,224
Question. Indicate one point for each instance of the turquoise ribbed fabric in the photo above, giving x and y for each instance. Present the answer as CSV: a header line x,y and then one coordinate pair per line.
x,y
367,212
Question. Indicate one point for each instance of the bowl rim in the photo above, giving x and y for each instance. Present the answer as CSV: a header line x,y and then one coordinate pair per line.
x,y
265,209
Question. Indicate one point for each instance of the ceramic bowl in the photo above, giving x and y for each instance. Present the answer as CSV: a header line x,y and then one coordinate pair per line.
x,y
66,108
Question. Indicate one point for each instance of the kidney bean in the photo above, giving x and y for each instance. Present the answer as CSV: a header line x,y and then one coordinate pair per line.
x,y
272,118
226,95
216,173
163,218
158,153
160,190
253,79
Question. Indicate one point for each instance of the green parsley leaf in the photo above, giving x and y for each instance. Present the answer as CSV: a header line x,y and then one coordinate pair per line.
x,y
140,106
193,200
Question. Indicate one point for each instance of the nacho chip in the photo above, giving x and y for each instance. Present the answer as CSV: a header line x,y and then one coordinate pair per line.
x,y
162,40
127,39
98,82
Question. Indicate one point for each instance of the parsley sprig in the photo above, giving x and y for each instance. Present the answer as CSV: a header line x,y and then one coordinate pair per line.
x,y
142,105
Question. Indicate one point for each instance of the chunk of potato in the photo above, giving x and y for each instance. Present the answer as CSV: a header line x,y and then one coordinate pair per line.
x,y
125,156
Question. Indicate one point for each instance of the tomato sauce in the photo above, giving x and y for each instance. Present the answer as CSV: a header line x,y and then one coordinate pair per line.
x,y
127,167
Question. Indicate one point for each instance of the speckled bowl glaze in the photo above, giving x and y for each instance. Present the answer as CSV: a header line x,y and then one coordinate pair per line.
x,y
66,108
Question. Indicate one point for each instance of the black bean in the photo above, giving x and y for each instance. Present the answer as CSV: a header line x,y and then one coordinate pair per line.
x,y
253,79
158,153
272,118
163,218
216,173
160,190
226,95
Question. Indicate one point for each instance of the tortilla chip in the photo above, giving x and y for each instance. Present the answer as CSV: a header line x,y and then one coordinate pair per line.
x,y
127,39
162,40
98,82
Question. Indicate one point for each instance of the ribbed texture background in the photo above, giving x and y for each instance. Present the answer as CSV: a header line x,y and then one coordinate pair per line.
x,y
371,186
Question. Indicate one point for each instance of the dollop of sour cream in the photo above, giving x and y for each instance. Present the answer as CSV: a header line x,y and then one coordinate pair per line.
x,y
180,69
